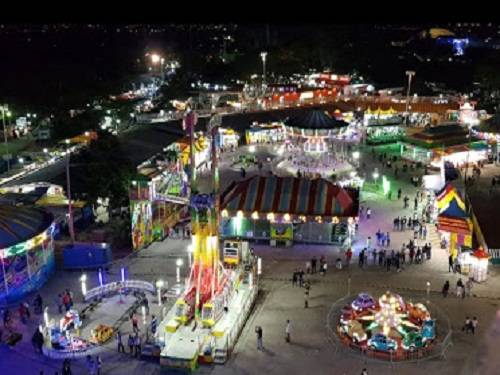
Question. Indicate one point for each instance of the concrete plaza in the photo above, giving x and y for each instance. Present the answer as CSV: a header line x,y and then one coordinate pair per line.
x,y
311,349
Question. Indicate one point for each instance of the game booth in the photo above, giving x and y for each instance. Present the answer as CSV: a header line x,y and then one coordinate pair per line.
x,y
283,210
450,143
381,133
265,133
26,251
455,226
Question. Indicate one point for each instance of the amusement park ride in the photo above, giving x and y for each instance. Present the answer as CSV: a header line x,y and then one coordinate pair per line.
x,y
207,317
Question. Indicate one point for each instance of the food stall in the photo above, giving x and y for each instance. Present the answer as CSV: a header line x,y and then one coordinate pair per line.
x,y
479,266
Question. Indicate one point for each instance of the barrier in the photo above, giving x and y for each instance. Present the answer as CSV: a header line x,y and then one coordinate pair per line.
x,y
116,286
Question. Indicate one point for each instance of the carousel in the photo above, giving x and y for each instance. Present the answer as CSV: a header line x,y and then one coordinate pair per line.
x,y
316,145
388,327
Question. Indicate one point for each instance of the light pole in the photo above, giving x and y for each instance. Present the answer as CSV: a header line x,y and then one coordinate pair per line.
x,y
190,254
375,177
83,280
5,111
68,187
159,285
178,263
410,74
263,56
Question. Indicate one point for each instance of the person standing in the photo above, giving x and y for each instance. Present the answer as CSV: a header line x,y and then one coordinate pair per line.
x,y
137,344
98,365
387,240
154,324
119,343
258,331
473,325
364,372
287,331
446,288
313,264
368,213
90,365
131,344
135,323
466,327
348,256
66,370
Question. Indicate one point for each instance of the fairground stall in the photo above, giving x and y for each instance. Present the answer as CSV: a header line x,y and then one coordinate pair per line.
x,y
454,225
26,251
384,132
450,143
378,115
158,201
265,133
228,139
284,210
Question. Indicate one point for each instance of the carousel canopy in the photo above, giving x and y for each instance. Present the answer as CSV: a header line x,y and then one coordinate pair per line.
x,y
316,119
290,195
18,224
448,194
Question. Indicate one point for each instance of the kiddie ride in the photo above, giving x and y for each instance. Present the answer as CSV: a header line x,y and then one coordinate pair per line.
x,y
204,323
388,328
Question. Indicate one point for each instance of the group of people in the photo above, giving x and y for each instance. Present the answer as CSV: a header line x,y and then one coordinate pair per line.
x,y
64,301
461,290
470,325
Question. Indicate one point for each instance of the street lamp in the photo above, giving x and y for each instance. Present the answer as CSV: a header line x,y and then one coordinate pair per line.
x,y
155,58
83,280
375,177
410,74
263,56
5,112
178,263
159,285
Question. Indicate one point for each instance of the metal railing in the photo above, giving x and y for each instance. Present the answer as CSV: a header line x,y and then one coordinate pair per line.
x,y
116,286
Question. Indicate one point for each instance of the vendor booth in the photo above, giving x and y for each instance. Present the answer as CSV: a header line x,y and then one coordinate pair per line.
x,y
265,133
286,209
455,225
380,133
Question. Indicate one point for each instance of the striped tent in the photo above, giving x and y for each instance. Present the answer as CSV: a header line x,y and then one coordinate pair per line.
x,y
290,195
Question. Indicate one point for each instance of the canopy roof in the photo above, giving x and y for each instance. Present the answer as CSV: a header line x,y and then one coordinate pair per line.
x,y
290,195
455,225
446,195
315,119
454,210
18,224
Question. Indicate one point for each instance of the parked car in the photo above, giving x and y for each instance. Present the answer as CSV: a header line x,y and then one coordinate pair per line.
x,y
363,302
429,329
382,343
413,340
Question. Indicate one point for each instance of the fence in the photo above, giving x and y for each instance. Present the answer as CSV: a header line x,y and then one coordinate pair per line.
x,y
114,287
343,344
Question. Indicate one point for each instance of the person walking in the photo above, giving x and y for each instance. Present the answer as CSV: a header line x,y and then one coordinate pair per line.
x,y
258,331
294,278
460,289
348,256
468,287
98,365
399,193
368,213
89,362
446,288
66,370
154,324
364,372
131,344
137,344
387,240
119,343
313,264
288,328
466,327
473,325
450,264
